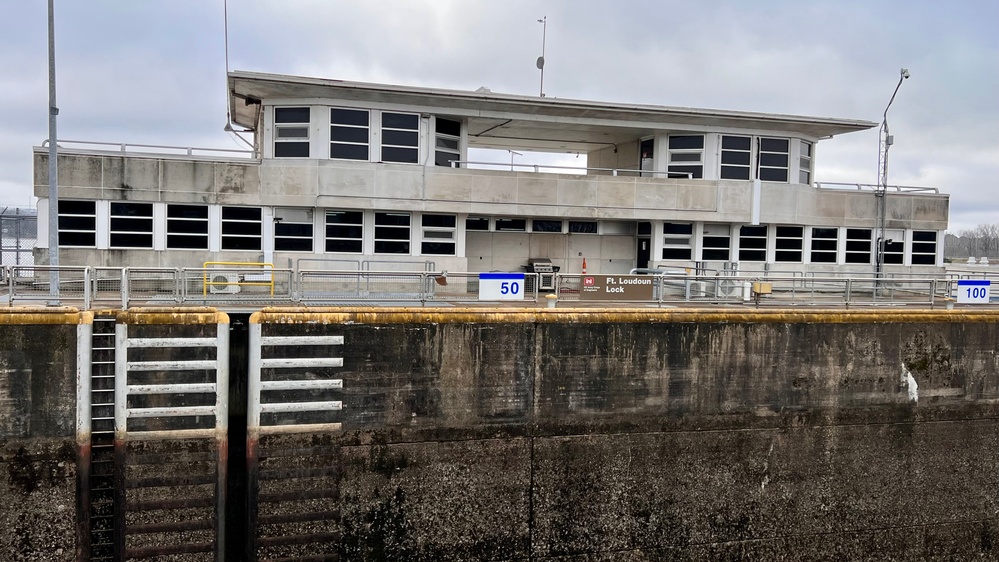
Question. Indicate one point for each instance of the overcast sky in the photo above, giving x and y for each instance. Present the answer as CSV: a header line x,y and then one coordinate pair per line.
x,y
153,71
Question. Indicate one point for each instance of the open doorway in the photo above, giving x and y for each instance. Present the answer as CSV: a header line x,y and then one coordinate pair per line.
x,y
643,245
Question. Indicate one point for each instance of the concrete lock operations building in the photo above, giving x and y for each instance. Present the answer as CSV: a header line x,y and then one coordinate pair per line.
x,y
344,174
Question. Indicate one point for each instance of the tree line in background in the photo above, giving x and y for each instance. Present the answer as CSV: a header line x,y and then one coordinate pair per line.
x,y
981,241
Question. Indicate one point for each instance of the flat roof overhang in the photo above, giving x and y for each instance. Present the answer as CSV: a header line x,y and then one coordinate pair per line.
x,y
523,122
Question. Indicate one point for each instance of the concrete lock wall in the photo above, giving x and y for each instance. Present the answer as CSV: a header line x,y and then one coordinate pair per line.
x,y
37,425
473,434
651,436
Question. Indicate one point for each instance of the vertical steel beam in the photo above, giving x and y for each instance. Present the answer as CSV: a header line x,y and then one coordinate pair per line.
x,y
221,434
84,344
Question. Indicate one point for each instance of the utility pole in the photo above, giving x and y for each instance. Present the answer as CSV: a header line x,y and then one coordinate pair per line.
x,y
53,167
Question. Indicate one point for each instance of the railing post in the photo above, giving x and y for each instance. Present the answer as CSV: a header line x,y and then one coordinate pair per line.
x,y
87,289
849,289
177,280
124,288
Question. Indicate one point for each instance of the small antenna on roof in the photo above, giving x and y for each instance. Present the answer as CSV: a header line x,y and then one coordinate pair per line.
x,y
541,60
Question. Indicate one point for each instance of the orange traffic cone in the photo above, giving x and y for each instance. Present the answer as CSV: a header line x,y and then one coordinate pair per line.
x,y
584,265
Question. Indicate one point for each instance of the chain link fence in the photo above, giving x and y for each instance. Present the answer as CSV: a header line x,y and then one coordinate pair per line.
x,y
18,232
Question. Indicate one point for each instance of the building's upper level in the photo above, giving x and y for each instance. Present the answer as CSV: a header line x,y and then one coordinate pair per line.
x,y
309,118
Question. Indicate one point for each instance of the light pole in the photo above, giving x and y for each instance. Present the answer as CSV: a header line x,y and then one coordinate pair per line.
x,y
53,167
541,60
886,140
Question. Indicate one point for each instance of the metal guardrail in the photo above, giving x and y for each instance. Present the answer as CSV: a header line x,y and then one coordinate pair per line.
x,y
166,150
872,187
90,287
536,168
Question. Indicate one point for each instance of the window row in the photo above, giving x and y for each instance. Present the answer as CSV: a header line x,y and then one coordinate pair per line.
x,y
131,226
742,158
793,244
351,135
505,224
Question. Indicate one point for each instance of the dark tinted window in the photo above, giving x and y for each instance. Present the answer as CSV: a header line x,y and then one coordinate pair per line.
x,y
187,211
241,213
392,219
773,174
546,226
736,143
511,224
448,127
291,150
402,138
476,223
403,155
686,142
440,221
349,134
400,121
76,207
349,151
677,228
773,145
349,117
291,114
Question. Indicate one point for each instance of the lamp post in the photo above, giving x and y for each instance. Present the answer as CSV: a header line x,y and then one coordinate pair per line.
x,y
541,60
886,140
53,167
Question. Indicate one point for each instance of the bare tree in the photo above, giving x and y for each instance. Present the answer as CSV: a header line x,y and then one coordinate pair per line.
x,y
981,241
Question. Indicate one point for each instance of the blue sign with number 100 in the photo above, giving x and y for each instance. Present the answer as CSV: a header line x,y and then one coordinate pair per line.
x,y
973,291
501,286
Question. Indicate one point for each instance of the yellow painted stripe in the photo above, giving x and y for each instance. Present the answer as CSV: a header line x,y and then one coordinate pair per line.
x,y
27,315
172,315
387,315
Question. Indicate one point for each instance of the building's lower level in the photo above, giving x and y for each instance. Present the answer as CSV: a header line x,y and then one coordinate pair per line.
x,y
165,211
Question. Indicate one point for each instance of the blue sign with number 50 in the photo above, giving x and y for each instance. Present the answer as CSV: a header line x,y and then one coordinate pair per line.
x,y
501,286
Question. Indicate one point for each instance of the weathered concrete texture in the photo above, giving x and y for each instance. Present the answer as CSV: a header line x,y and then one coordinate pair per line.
x,y
668,441
37,455
686,490
459,500
37,381
37,499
